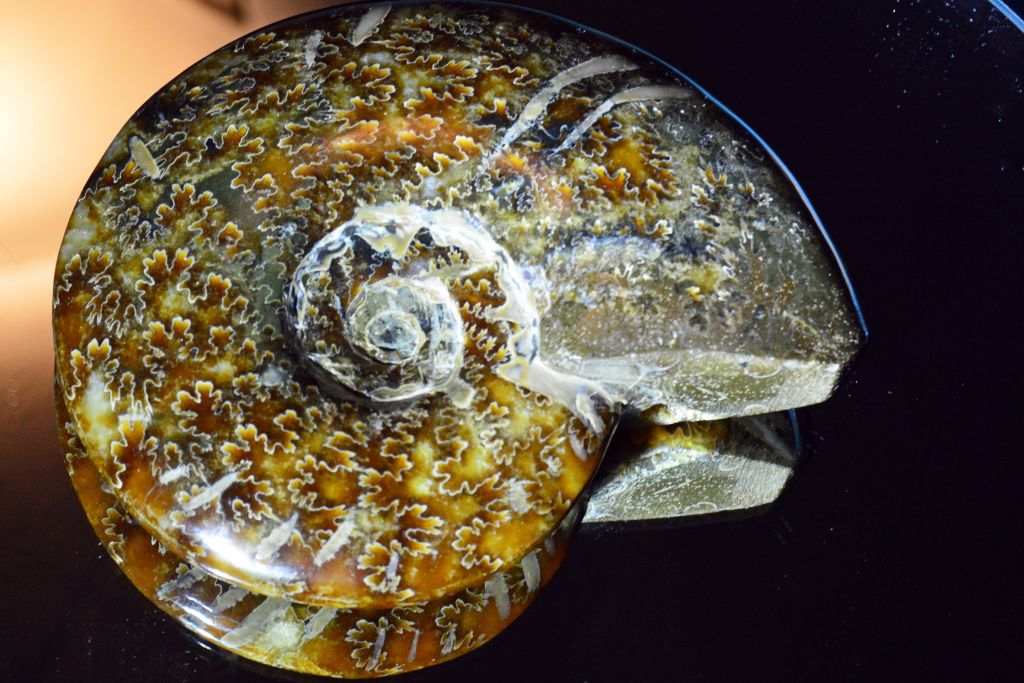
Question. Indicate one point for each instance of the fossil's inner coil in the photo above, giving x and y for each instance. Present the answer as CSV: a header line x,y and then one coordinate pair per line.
x,y
376,305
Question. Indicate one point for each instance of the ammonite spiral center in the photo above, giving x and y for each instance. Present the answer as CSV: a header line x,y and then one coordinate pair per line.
x,y
384,320
371,308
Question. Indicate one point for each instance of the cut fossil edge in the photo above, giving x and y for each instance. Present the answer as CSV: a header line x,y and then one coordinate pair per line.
x,y
695,470
669,386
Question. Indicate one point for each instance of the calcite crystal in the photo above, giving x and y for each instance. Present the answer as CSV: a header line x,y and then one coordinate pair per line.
x,y
350,310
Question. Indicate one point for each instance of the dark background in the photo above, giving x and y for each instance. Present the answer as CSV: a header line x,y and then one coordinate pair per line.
x,y
893,555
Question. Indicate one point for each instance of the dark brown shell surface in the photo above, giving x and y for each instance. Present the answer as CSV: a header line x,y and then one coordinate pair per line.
x,y
349,311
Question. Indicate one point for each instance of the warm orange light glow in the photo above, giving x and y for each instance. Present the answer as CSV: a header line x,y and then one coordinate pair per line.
x,y
71,74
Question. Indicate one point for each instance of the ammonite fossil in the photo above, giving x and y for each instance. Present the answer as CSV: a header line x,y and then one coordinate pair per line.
x,y
349,312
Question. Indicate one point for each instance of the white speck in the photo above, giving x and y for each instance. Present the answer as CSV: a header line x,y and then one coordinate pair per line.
x,y
174,475
143,157
210,493
429,187
378,648
382,58
415,644
272,376
229,599
373,18
309,49
531,571
498,590
392,571
461,393
319,622
336,542
96,408
518,497
549,545
276,539
283,635
258,621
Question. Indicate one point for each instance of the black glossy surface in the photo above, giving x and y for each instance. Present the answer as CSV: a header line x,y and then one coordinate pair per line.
x,y
893,555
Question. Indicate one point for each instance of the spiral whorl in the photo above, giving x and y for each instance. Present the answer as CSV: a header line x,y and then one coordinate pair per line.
x,y
373,306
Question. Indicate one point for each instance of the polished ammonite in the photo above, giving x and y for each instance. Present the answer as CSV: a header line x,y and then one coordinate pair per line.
x,y
349,311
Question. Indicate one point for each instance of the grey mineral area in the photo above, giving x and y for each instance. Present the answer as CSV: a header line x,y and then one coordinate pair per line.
x,y
694,470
